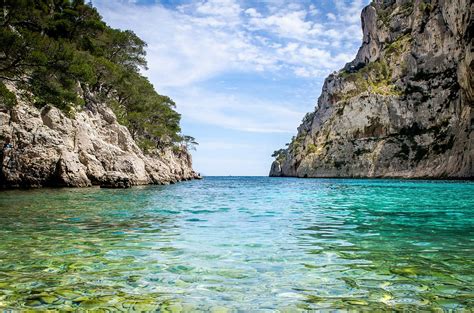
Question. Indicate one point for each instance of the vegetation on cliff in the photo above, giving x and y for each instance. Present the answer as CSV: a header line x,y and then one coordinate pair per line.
x,y
401,108
61,53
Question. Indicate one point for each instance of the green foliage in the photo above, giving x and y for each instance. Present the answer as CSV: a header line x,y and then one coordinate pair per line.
x,y
385,11
308,117
375,78
41,47
395,48
150,117
406,8
425,7
383,15
7,98
122,47
311,148
279,155
58,49
276,153
296,142
189,142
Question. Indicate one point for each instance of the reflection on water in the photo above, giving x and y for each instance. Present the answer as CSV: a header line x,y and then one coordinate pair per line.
x,y
240,244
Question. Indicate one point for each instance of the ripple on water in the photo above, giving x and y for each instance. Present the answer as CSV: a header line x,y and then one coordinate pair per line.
x,y
240,243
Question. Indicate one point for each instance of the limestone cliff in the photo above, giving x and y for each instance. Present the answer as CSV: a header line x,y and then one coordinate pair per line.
x,y
92,148
403,107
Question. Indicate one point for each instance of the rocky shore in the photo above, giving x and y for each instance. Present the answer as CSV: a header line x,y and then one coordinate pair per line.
x,y
403,107
47,148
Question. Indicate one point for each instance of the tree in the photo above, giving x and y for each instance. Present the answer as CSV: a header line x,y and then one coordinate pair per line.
x,y
189,142
59,49
278,153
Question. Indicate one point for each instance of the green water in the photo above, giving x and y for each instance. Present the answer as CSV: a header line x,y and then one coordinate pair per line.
x,y
240,244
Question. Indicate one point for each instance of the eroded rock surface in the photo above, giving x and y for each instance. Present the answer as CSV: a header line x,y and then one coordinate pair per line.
x,y
50,149
403,107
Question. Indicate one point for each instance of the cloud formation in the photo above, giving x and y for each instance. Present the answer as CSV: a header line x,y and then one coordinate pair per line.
x,y
242,72
193,42
237,112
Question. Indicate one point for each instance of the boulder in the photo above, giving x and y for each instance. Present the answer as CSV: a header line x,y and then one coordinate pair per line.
x,y
115,180
91,148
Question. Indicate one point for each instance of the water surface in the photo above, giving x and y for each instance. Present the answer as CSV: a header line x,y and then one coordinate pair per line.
x,y
240,244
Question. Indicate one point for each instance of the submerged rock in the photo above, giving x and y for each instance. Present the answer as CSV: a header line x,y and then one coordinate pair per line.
x,y
402,108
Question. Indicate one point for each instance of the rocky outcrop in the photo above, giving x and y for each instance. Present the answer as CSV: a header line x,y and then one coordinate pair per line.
x,y
51,149
116,180
403,107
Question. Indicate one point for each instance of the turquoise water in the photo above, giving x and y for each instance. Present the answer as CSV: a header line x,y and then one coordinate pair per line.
x,y
240,244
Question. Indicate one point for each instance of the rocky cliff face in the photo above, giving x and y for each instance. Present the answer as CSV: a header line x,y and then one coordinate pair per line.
x,y
403,107
51,149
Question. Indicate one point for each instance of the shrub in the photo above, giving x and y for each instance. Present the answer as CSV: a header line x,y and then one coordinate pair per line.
x,y
311,148
7,98
58,49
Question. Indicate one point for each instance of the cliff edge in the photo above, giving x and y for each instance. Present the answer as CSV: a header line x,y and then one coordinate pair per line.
x,y
48,148
75,109
402,108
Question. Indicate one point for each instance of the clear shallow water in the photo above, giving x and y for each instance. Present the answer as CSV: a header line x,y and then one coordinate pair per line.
x,y
240,244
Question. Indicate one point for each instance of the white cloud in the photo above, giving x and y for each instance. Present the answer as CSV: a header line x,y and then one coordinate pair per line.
x,y
313,10
350,14
188,45
253,12
331,16
203,39
303,72
223,8
233,111
290,24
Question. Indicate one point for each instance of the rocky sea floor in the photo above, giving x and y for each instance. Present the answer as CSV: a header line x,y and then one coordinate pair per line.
x,y
240,244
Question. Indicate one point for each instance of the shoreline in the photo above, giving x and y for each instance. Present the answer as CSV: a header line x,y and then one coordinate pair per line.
x,y
384,177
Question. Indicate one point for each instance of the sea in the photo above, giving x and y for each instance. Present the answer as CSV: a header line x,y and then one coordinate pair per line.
x,y
240,244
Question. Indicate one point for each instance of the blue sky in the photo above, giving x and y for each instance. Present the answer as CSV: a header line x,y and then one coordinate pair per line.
x,y
243,73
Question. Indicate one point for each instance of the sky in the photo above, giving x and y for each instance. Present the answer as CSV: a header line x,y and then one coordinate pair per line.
x,y
242,73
